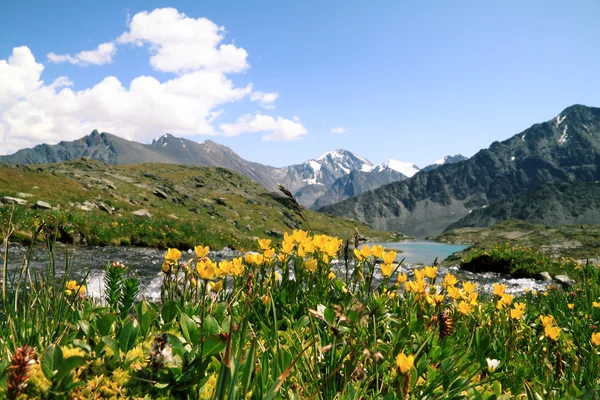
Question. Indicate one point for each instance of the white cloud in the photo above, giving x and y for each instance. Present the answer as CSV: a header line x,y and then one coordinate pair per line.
x,y
338,130
32,112
179,43
278,128
265,99
102,55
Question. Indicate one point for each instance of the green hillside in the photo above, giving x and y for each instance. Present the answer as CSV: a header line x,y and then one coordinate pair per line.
x,y
94,203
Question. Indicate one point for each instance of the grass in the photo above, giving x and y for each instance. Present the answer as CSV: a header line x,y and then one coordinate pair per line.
x,y
277,323
214,206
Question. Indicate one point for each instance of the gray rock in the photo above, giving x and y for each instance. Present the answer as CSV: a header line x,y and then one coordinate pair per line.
x,y
83,208
89,205
564,281
35,187
111,186
544,276
13,200
159,193
24,195
274,233
42,205
142,213
105,208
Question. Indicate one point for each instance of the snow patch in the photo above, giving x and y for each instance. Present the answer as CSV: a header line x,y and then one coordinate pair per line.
x,y
512,158
564,137
559,120
314,165
441,161
523,137
405,168
183,144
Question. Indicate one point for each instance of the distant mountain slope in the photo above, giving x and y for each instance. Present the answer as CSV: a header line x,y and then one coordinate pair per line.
x,y
445,160
355,183
554,204
564,149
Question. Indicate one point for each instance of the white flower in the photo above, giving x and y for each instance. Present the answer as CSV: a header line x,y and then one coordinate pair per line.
x,y
492,364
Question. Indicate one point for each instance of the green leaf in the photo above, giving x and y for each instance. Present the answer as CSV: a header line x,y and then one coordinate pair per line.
x,y
112,343
105,323
84,326
169,311
211,326
146,316
67,366
82,345
329,315
213,344
249,368
51,359
188,327
128,336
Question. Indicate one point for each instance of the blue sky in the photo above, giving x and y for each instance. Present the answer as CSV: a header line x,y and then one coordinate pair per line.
x,y
406,80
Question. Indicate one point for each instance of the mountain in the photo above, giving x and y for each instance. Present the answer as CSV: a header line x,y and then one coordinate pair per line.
x,y
308,180
311,179
554,204
169,149
407,169
157,205
564,149
355,183
446,160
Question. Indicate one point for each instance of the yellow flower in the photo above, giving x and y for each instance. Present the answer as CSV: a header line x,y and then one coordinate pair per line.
x,y
320,241
571,306
596,339
311,265
469,287
547,320
405,363
454,293
172,255
499,289
201,251
377,251
552,332
71,285
216,286
518,311
331,275
264,243
306,248
237,268
333,247
430,272
401,278
206,269
465,308
269,253
225,267
300,236
363,253
506,300
416,287
386,269
266,299
419,274
435,299
596,304
449,281
473,298
389,257
287,247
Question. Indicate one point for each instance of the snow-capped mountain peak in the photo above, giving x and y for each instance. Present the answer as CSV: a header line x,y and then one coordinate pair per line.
x,y
405,168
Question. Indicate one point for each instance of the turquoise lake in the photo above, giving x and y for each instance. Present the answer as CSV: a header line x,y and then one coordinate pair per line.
x,y
422,251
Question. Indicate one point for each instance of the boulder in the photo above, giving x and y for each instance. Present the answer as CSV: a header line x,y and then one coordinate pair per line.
x,y
564,281
544,276
89,205
42,205
274,233
13,200
83,208
142,213
105,208
111,186
159,193
24,195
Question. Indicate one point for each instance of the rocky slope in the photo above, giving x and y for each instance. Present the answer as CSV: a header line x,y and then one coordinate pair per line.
x,y
564,149
555,204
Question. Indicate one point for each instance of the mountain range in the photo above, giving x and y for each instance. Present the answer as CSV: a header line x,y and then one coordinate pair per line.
x,y
309,181
564,149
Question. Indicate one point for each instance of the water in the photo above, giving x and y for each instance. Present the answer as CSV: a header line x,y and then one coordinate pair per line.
x,y
145,263
423,252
